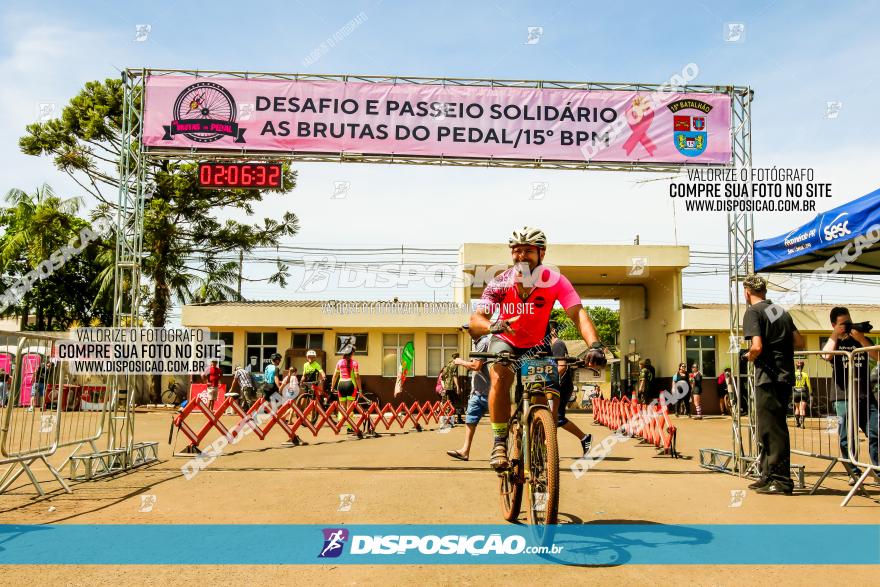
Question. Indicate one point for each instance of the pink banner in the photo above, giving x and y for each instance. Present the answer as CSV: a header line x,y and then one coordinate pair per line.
x,y
437,121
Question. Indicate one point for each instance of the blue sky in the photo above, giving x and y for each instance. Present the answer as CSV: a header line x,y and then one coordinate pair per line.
x,y
797,57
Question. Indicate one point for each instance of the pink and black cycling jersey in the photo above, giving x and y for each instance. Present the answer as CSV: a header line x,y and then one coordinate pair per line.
x,y
344,371
534,311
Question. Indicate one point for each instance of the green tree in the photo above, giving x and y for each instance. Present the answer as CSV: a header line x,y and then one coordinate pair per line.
x,y
607,324
182,235
36,225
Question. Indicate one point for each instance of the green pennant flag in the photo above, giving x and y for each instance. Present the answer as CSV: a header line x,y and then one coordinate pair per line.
x,y
407,357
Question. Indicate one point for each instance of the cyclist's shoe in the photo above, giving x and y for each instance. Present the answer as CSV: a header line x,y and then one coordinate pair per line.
x,y
586,441
498,460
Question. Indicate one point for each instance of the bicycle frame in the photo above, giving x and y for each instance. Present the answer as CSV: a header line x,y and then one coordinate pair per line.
x,y
524,408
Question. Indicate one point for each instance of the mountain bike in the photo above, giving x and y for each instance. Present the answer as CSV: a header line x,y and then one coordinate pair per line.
x,y
531,438
311,391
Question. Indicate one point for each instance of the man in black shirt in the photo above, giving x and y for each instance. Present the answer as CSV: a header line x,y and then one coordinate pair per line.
x,y
565,387
774,338
846,336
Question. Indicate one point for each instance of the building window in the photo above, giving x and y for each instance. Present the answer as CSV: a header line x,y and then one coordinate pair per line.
x,y
392,346
440,350
227,338
260,348
307,340
360,342
701,350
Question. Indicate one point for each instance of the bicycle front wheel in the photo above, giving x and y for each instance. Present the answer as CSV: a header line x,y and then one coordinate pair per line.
x,y
512,477
544,468
303,401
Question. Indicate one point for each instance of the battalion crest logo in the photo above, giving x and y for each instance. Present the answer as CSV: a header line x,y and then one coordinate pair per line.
x,y
690,135
204,112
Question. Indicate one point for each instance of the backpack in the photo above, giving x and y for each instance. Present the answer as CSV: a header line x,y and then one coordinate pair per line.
x,y
439,386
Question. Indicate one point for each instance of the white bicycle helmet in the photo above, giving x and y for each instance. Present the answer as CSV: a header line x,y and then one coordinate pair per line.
x,y
311,354
528,236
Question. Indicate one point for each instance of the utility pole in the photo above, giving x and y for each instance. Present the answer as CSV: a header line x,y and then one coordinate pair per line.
x,y
240,262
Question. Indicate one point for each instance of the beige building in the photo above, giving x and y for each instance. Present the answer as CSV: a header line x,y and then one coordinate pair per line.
x,y
655,322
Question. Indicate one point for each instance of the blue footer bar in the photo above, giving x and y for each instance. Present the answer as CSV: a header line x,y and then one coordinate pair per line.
x,y
585,544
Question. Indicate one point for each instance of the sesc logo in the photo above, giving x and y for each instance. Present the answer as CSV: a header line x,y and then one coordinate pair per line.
x,y
837,228
334,540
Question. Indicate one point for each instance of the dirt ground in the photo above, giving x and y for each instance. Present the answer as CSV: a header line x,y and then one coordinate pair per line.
x,y
406,477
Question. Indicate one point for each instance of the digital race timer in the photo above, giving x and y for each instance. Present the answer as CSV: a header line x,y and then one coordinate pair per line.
x,y
240,175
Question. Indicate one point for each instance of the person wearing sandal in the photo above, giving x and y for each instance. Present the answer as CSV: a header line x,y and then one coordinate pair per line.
x,y
478,402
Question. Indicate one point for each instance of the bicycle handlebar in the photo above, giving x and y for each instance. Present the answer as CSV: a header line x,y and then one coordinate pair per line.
x,y
507,356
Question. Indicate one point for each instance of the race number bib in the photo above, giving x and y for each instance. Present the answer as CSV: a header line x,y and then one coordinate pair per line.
x,y
539,371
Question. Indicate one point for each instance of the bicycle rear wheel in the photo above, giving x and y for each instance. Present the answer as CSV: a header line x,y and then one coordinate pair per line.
x,y
544,467
303,401
512,477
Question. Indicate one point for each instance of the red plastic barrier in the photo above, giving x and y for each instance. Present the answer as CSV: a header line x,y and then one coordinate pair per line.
x,y
649,422
261,418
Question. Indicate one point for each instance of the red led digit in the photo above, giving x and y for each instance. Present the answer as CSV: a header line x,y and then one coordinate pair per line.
x,y
274,175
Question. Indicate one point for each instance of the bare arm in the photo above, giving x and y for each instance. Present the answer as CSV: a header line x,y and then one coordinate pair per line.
x,y
472,365
583,323
480,322
830,345
755,349
799,344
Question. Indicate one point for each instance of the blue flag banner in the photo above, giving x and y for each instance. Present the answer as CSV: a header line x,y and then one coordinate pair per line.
x,y
842,240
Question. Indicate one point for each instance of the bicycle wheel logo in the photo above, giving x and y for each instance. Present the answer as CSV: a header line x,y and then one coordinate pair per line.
x,y
204,112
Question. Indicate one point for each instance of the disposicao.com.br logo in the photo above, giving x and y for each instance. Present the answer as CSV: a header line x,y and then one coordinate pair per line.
x,y
431,544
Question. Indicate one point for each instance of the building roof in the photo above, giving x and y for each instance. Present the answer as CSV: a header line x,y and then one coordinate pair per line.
x,y
689,306
309,303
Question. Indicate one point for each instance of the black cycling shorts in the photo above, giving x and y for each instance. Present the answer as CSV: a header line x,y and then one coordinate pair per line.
x,y
345,388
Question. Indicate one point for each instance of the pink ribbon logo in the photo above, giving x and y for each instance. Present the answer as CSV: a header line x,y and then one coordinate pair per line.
x,y
639,117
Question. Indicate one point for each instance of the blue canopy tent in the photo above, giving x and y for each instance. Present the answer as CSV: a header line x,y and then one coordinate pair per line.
x,y
810,246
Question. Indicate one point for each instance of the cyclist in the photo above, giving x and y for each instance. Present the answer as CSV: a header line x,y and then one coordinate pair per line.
x,y
523,297
801,394
346,379
313,373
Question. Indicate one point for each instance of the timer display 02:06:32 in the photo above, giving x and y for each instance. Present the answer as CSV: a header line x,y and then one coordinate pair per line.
x,y
240,175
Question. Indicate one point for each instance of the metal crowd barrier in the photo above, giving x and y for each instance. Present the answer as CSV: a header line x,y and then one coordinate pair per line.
x,y
862,414
45,409
829,414
817,435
